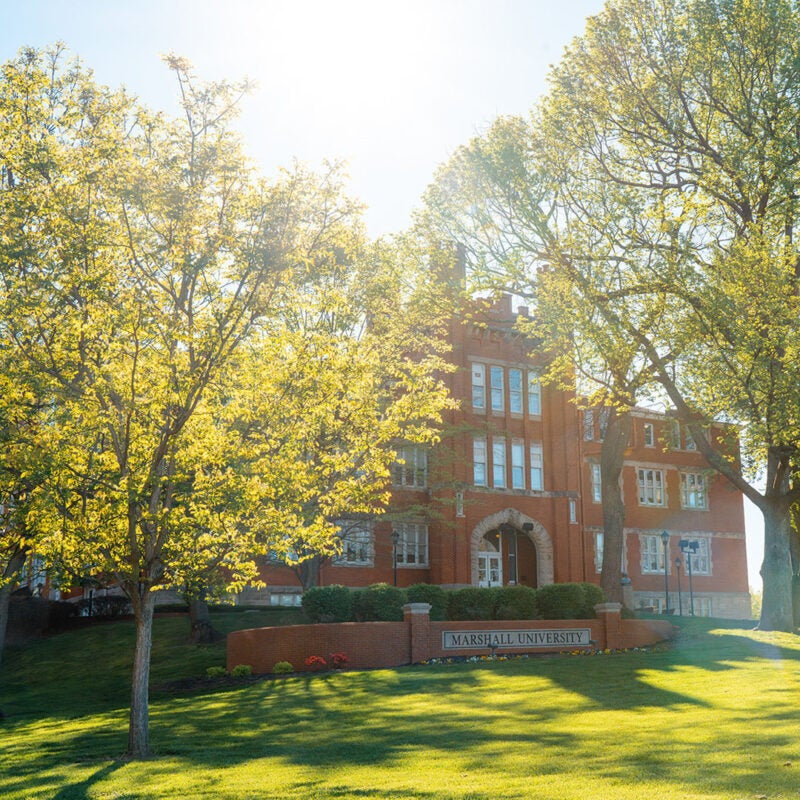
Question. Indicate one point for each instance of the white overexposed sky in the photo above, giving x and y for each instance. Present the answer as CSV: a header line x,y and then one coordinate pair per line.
x,y
390,88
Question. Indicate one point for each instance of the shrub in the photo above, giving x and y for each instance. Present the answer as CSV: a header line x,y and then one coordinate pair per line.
x,y
515,602
105,606
328,604
339,660
216,672
561,601
241,670
315,662
471,603
428,593
379,603
282,668
592,595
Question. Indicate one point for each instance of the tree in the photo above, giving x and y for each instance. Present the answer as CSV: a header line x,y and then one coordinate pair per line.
x,y
323,404
686,114
139,253
500,201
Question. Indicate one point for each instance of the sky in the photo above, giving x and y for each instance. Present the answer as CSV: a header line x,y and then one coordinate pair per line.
x,y
392,89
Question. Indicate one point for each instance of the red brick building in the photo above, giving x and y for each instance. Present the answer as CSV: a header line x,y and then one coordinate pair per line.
x,y
512,495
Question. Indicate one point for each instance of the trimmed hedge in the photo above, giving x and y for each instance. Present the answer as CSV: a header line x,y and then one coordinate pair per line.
x,y
568,600
592,596
515,602
472,603
429,593
328,604
379,603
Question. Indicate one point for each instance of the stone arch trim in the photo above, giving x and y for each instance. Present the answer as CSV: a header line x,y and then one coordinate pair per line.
x,y
539,536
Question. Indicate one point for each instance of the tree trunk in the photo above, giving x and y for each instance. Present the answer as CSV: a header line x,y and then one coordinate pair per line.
x,y
138,731
776,570
13,567
612,458
308,572
202,631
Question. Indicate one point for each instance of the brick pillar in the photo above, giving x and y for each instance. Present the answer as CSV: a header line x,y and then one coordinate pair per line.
x,y
418,617
611,615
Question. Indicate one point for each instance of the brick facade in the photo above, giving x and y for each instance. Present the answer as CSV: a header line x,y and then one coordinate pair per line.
x,y
509,495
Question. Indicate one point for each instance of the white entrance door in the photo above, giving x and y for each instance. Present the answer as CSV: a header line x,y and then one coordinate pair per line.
x,y
490,561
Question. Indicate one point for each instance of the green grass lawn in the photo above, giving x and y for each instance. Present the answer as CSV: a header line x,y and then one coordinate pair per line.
x,y
715,715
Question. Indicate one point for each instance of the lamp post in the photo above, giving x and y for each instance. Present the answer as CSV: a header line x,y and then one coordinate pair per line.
x,y
665,542
680,600
395,540
689,549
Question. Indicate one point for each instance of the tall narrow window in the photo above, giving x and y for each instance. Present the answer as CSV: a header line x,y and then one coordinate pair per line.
x,y
597,484
602,421
537,467
693,490
652,553
701,557
517,464
534,394
573,510
411,468
499,463
479,387
515,391
588,424
497,389
479,462
598,552
651,487
412,544
688,439
649,435
356,539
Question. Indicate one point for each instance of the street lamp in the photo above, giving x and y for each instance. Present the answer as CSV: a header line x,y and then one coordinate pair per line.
x,y
665,542
395,540
680,601
689,548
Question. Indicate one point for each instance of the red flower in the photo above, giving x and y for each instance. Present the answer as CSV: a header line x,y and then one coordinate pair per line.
x,y
339,660
315,662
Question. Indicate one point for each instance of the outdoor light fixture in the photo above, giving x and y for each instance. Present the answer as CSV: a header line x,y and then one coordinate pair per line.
x,y
680,600
689,549
395,541
665,541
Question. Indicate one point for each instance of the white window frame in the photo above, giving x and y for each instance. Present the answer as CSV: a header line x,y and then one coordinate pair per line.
x,y
497,389
703,606
515,390
517,464
499,477
701,560
597,483
536,452
358,544
599,541
694,491
652,487
412,544
478,387
411,467
588,424
688,441
479,462
656,602
534,394
573,510
651,550
649,434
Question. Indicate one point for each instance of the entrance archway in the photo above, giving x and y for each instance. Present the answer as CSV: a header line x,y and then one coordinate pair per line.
x,y
523,524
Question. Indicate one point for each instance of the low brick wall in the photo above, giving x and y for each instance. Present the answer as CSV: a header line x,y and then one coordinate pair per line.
x,y
416,639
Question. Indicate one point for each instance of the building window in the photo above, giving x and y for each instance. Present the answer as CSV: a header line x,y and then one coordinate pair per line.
x,y
654,605
411,468
534,394
459,503
651,487
537,467
497,388
674,434
517,464
649,435
479,462
688,439
573,510
598,552
701,560
412,544
693,490
597,484
588,424
479,387
357,549
603,415
499,463
702,606
515,391
652,550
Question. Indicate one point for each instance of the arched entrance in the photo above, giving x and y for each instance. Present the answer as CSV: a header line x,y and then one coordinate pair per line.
x,y
511,547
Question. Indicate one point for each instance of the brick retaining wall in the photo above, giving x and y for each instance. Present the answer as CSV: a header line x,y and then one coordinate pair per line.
x,y
417,638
